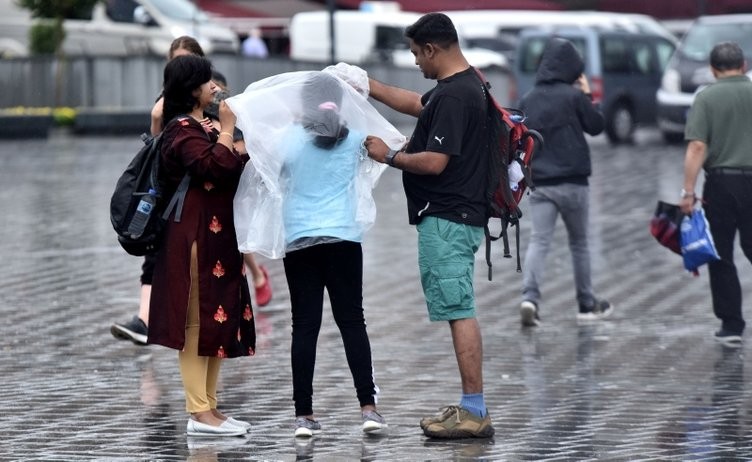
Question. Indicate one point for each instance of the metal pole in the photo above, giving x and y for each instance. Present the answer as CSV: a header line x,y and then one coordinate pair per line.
x,y
332,36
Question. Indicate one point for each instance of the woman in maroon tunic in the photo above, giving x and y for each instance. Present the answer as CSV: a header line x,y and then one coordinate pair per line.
x,y
200,302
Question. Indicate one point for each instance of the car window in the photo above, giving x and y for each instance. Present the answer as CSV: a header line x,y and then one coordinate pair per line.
x,y
663,51
701,38
121,10
642,55
615,55
532,49
531,53
182,10
390,38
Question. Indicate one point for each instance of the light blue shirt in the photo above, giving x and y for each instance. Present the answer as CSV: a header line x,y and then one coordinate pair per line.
x,y
320,196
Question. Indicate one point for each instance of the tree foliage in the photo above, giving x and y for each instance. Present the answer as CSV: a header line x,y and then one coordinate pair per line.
x,y
47,34
64,9
46,38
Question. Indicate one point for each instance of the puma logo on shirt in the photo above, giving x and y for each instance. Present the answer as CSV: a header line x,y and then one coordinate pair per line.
x,y
440,140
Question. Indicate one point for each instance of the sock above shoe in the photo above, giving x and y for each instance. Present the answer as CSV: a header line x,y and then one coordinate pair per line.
x,y
475,403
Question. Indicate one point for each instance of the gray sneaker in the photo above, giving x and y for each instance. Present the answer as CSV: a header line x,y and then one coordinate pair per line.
x,y
306,428
373,422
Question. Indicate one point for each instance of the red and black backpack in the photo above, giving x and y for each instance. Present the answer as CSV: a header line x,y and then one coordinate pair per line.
x,y
510,141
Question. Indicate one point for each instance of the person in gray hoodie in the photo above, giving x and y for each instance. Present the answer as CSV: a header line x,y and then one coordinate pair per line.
x,y
560,107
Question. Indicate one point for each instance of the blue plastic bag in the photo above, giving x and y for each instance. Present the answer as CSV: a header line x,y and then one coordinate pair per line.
x,y
697,245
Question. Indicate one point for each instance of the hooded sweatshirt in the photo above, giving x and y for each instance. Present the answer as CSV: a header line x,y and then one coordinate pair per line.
x,y
562,113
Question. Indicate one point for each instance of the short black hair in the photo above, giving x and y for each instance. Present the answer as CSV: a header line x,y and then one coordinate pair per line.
x,y
219,78
434,28
182,76
727,56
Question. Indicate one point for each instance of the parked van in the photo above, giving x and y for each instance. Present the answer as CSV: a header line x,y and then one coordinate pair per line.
x,y
366,36
624,69
688,71
499,30
361,36
121,27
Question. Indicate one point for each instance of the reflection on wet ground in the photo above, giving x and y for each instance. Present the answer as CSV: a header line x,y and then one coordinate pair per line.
x,y
647,384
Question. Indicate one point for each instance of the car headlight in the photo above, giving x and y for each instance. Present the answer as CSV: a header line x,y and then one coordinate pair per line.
x,y
671,81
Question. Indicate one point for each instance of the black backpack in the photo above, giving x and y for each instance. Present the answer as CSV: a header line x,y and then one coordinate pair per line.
x,y
140,207
511,141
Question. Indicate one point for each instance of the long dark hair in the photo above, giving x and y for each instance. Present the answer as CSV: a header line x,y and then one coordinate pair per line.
x,y
182,76
322,100
186,43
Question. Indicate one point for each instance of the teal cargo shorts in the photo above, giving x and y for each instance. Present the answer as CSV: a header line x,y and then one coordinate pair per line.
x,y
446,257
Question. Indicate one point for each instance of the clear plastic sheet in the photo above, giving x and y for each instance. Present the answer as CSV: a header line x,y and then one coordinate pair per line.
x,y
354,75
268,111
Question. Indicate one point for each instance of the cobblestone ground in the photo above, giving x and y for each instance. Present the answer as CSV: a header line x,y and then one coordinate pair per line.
x,y
648,384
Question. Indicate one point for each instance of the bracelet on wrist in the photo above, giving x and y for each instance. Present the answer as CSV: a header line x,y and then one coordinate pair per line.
x,y
226,133
685,194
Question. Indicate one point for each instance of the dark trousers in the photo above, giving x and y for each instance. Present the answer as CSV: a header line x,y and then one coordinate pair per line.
x,y
728,207
147,268
338,267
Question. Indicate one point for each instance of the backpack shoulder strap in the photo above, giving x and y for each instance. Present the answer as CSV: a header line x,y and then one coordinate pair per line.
x,y
178,199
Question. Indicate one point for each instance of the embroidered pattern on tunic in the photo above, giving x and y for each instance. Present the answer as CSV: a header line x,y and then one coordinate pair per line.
x,y
221,353
220,316
215,226
247,313
218,270
208,185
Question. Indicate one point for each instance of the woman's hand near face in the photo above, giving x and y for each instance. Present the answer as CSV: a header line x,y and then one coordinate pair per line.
x,y
227,118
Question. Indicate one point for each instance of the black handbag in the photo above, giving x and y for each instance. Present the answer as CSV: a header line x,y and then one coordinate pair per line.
x,y
665,225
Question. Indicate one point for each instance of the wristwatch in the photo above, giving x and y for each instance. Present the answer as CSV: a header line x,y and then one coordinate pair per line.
x,y
685,194
390,157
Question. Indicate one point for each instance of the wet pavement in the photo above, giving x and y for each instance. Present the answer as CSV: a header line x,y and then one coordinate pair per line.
x,y
649,383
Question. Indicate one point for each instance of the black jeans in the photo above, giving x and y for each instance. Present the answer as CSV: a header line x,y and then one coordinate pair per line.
x,y
338,267
728,206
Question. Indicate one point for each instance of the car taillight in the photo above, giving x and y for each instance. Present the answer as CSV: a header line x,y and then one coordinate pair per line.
x,y
596,89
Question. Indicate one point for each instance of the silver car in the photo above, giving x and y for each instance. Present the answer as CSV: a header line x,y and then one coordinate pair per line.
x,y
689,71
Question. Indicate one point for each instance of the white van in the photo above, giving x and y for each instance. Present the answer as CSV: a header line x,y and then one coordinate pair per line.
x,y
366,36
361,36
499,30
120,28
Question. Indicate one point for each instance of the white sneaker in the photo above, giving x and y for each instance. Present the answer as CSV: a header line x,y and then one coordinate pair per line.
x,y
529,314
196,428
306,427
373,422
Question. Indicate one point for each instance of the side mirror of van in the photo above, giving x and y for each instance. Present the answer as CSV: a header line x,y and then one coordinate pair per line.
x,y
141,16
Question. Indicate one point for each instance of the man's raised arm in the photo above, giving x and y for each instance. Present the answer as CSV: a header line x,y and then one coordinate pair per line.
x,y
399,99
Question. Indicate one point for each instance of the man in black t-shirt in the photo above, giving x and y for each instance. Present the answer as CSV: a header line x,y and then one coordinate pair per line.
x,y
445,182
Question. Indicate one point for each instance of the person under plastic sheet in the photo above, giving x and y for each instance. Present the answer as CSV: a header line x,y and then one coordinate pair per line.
x,y
270,113
310,185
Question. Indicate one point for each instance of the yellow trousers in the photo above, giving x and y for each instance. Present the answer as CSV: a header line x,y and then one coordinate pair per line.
x,y
200,373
